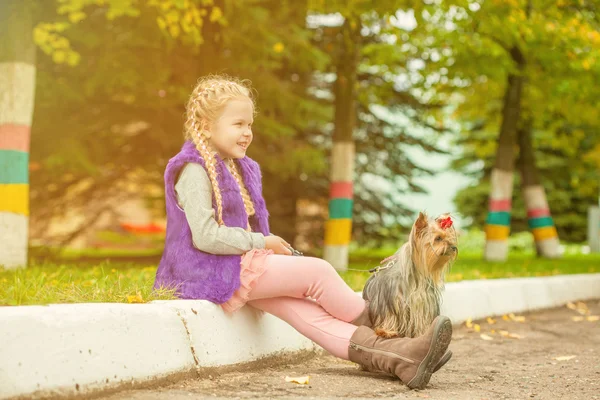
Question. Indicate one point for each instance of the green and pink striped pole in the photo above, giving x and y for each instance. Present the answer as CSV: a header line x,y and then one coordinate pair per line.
x,y
338,228
541,223
17,93
497,224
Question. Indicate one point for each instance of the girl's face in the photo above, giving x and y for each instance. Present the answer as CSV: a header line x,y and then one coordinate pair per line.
x,y
231,134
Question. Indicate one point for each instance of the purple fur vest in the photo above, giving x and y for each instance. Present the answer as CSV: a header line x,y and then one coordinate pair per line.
x,y
197,274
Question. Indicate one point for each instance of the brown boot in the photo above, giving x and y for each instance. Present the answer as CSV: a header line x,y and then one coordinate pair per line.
x,y
364,319
410,359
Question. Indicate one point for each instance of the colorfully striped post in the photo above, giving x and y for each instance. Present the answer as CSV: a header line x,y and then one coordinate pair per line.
x,y
17,91
338,228
497,224
540,222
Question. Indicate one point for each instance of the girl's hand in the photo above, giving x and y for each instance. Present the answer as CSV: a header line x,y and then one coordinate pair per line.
x,y
278,245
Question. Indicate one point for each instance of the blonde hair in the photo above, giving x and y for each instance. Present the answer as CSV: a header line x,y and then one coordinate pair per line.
x,y
204,107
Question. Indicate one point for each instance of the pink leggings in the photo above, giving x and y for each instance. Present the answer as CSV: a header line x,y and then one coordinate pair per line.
x,y
283,288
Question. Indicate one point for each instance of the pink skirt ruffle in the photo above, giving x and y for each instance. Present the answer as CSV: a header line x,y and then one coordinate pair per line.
x,y
253,265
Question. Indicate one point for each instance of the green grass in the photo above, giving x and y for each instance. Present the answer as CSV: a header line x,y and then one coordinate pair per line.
x,y
74,254
52,283
472,266
71,281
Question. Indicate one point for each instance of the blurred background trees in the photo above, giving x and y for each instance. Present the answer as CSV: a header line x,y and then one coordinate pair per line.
x,y
113,78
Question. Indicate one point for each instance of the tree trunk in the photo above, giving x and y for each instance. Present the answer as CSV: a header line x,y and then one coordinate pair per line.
x,y
497,226
338,228
17,93
498,220
210,60
538,212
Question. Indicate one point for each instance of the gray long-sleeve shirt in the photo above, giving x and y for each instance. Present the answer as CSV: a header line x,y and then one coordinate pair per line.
x,y
194,195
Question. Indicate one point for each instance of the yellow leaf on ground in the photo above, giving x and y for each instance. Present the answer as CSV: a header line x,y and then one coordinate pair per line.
x,y
477,327
592,318
503,333
505,317
137,298
514,336
491,321
564,358
486,337
577,319
571,306
517,318
469,323
301,380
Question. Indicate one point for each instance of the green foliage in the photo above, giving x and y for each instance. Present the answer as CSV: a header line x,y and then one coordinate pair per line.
x,y
390,119
135,63
571,181
135,112
475,45
175,18
123,108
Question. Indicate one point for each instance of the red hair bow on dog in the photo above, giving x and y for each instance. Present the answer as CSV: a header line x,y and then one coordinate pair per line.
x,y
445,223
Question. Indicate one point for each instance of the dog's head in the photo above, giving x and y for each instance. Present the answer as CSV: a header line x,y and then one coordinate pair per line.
x,y
434,245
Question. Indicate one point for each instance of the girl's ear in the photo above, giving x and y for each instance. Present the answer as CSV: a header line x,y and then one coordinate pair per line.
x,y
205,130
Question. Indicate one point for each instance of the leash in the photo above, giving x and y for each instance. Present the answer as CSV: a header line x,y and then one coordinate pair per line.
x,y
372,270
377,268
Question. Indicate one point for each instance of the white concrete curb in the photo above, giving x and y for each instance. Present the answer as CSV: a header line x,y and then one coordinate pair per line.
x,y
72,349
77,348
483,298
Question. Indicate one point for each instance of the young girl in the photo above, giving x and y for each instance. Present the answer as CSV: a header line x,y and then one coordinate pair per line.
x,y
218,246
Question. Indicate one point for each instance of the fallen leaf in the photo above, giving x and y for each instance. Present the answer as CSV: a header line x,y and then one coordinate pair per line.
x,y
517,318
505,317
137,298
581,304
486,337
514,336
490,321
301,380
592,318
577,319
564,358
477,328
503,333
469,323
571,306
493,331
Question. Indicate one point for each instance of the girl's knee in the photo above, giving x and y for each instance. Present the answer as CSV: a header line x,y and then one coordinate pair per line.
x,y
321,266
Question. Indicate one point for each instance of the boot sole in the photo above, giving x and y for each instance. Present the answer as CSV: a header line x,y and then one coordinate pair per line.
x,y
442,334
447,356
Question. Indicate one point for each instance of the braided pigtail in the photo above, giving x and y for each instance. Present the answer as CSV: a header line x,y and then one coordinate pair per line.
x,y
248,205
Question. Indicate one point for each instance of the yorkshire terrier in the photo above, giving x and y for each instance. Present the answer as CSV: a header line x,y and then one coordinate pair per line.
x,y
405,290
